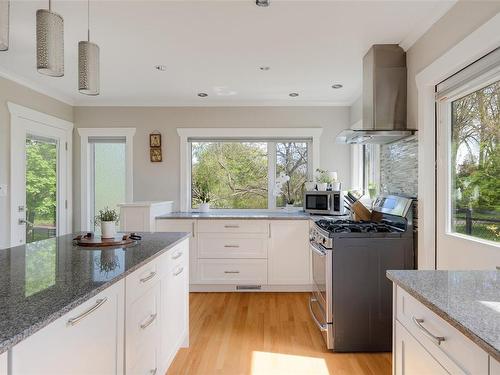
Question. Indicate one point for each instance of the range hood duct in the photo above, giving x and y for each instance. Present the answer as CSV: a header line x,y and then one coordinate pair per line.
x,y
384,98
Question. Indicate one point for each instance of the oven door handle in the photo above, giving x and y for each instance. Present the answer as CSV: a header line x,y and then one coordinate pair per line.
x,y
322,327
317,249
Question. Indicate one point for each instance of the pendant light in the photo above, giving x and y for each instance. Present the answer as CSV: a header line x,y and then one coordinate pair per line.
x,y
4,25
88,63
49,42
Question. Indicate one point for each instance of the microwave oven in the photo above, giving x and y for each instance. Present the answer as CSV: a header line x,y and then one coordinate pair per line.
x,y
324,202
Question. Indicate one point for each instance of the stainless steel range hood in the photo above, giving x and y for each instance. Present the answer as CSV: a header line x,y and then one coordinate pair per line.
x,y
384,98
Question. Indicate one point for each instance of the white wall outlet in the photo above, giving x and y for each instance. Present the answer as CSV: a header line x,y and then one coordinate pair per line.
x,y
3,190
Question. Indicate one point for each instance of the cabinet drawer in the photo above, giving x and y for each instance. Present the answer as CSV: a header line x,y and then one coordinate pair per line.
x,y
233,226
146,361
456,353
141,280
232,271
232,245
142,324
175,257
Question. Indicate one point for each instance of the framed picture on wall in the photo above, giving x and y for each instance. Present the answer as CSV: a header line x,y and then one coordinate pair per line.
x,y
155,154
155,140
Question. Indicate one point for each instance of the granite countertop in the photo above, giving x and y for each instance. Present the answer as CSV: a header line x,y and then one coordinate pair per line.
x,y
236,214
468,300
43,280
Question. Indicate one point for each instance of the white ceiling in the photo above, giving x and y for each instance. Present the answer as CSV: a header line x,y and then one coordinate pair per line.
x,y
217,47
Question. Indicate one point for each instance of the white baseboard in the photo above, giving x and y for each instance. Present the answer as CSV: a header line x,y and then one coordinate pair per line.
x,y
264,288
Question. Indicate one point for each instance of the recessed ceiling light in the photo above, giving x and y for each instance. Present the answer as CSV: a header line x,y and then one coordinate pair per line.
x,y
202,94
337,86
262,3
264,68
161,68
293,94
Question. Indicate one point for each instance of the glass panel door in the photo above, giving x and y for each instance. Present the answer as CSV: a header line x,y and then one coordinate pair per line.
x,y
41,188
109,172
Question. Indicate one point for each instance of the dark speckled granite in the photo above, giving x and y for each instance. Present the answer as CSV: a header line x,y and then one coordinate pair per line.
x,y
43,280
468,300
237,214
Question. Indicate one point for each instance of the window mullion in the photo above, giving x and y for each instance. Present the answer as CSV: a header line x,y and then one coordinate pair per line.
x,y
271,172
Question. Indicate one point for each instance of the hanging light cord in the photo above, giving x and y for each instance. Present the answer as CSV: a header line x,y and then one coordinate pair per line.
x,y
88,20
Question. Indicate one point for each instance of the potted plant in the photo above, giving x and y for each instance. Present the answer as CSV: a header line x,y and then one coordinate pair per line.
x,y
108,218
323,179
203,195
289,204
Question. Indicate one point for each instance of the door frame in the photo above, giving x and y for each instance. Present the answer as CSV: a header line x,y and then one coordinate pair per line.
x,y
476,45
18,128
85,178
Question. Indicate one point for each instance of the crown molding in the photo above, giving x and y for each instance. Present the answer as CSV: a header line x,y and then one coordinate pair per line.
x,y
425,24
54,94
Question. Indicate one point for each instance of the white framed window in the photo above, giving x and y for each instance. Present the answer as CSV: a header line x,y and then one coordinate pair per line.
x,y
106,170
236,169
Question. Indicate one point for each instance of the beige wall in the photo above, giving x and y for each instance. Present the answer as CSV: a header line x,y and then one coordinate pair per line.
x,y
158,181
465,17
13,92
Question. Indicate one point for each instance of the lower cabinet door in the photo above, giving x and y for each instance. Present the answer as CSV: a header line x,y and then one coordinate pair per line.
x,y
175,302
147,363
85,341
411,358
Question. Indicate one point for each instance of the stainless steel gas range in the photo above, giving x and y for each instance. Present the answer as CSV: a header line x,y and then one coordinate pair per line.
x,y
352,300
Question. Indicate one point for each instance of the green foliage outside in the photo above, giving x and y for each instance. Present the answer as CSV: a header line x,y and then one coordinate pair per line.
x,y
41,186
475,160
235,174
40,266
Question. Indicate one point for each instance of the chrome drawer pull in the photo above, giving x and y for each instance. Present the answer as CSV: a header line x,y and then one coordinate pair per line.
x,y
231,226
98,304
177,255
231,271
148,322
437,339
232,246
179,272
149,277
322,327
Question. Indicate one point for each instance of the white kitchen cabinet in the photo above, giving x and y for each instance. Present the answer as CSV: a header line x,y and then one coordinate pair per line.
x,y
289,257
141,216
4,363
411,358
86,340
184,225
494,367
174,305
233,271
232,245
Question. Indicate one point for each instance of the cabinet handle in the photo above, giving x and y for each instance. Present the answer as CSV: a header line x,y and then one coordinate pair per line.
x,y
232,246
149,277
269,230
192,225
148,322
179,271
231,226
437,339
231,271
177,255
76,319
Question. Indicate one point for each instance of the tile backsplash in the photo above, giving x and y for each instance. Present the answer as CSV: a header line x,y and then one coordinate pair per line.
x,y
399,167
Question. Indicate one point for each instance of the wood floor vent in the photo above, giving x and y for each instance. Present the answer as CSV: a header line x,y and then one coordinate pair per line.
x,y
248,287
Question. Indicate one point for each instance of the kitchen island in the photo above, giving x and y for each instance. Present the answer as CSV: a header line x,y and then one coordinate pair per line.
x,y
446,322
79,298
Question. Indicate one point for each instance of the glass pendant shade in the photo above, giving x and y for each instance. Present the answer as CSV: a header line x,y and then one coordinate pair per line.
x,y
4,25
88,68
49,43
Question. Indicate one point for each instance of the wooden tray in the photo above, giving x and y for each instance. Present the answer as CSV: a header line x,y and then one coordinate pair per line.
x,y
90,240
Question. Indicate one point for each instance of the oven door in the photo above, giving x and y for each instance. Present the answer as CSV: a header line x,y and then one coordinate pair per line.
x,y
322,278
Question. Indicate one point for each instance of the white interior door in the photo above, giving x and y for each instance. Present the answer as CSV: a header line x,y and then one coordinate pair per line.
x,y
40,176
468,173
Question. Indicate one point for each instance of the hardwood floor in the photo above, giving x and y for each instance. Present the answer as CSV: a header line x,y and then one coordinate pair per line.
x,y
263,334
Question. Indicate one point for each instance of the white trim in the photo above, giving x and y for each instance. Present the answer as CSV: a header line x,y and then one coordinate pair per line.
x,y
265,133
203,102
54,94
85,180
65,176
480,42
423,25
